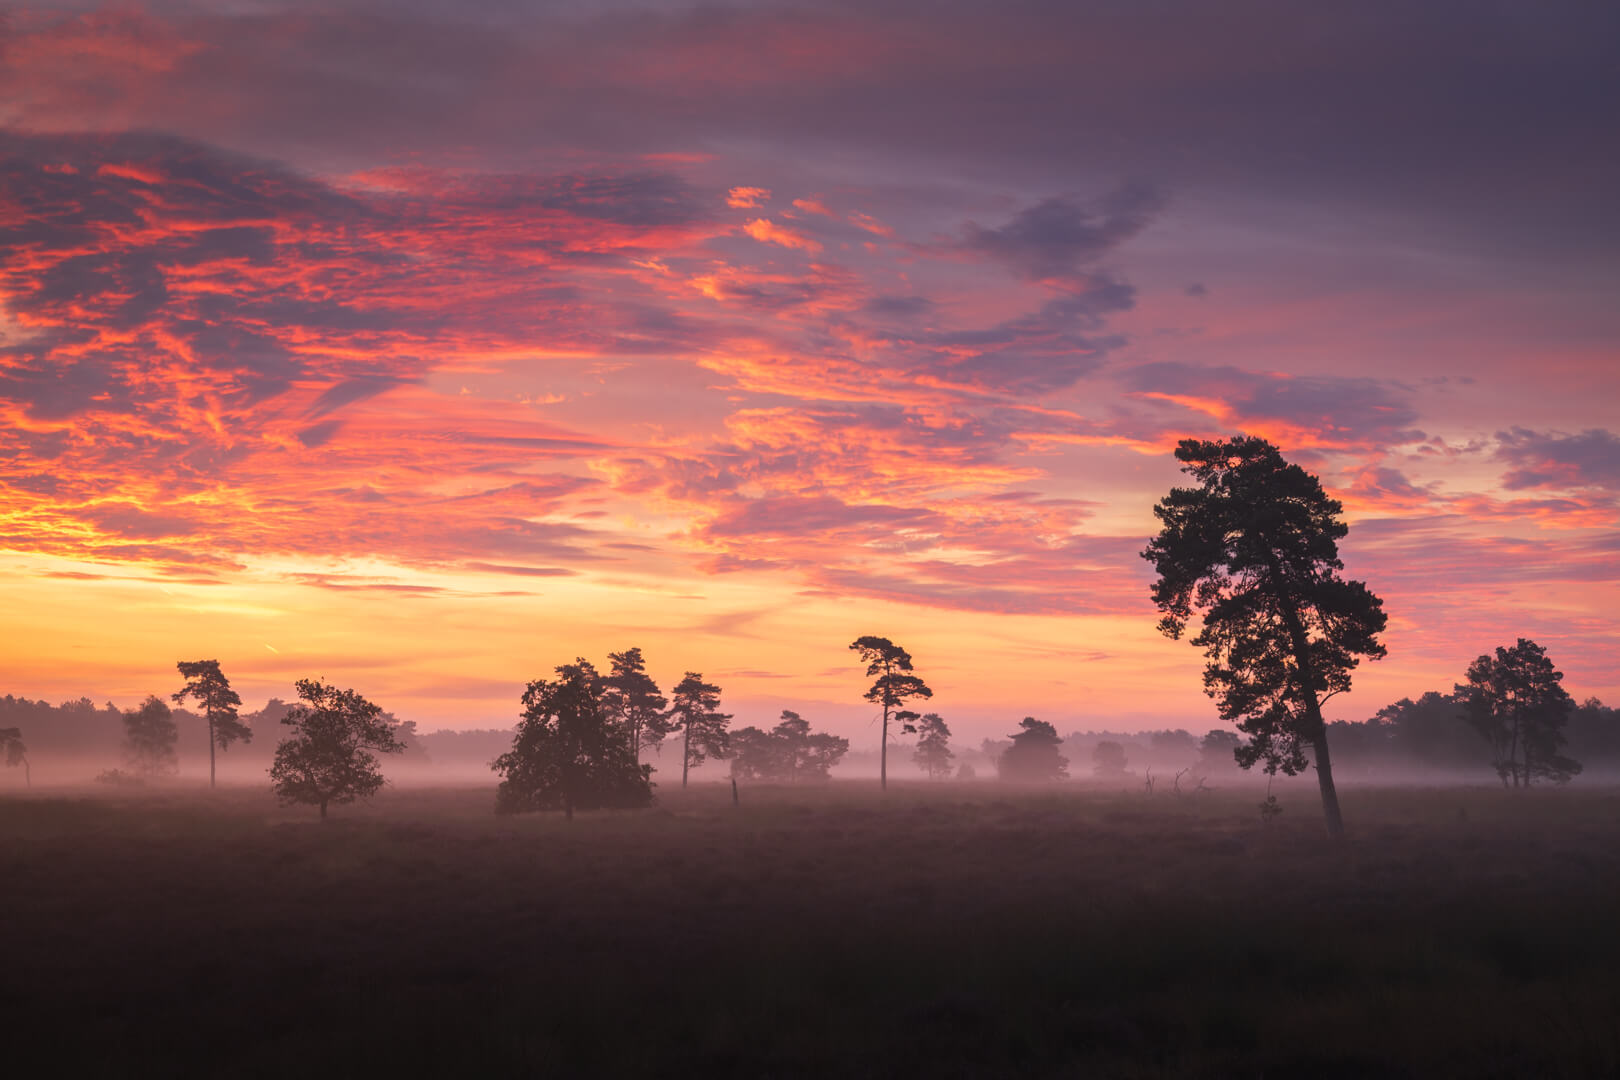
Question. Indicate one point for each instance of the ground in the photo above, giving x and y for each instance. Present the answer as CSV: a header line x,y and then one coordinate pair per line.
x,y
942,930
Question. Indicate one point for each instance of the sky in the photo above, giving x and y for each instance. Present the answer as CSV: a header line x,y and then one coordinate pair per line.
x,y
423,348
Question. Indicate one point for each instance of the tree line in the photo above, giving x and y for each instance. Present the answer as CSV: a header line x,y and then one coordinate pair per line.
x,y
1250,554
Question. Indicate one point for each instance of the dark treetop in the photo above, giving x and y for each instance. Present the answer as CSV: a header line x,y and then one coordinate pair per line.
x,y
1253,551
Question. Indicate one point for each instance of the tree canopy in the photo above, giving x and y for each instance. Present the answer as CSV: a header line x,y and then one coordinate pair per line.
x,y
208,686
1517,703
789,752
696,714
331,755
150,734
891,666
635,703
1253,552
933,754
570,752
1033,756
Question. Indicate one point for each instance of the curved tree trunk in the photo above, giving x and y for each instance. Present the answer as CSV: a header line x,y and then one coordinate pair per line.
x,y
1316,727
686,751
211,759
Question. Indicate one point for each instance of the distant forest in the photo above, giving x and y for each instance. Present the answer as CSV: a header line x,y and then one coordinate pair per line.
x,y
1408,739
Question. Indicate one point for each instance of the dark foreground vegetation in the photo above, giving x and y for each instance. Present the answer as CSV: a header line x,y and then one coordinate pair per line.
x,y
945,930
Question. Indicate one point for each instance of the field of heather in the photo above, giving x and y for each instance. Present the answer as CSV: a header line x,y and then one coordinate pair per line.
x,y
945,930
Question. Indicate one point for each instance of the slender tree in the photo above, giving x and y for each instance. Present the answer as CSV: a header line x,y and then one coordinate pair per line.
x,y
635,703
1516,701
891,666
150,734
209,687
696,712
331,755
569,752
933,754
16,753
1253,550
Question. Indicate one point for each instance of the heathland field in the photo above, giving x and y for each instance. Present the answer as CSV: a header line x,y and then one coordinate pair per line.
x,y
947,930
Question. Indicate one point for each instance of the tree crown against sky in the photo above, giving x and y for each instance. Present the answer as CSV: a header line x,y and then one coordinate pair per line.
x,y
789,752
634,701
1515,700
695,712
572,750
150,735
933,753
1252,552
1034,754
330,754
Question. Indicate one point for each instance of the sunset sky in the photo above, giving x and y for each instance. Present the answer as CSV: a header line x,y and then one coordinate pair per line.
x,y
426,347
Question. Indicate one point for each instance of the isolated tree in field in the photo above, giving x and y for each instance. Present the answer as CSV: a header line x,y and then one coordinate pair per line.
x,y
1033,756
695,712
933,754
209,687
634,702
570,752
15,753
1516,701
789,752
150,735
1253,551
895,685
331,755
1108,760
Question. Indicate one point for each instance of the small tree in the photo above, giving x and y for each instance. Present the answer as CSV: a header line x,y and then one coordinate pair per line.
x,y
569,752
212,690
150,734
329,757
1108,760
696,713
635,703
1516,701
1254,552
16,753
1033,756
895,685
933,754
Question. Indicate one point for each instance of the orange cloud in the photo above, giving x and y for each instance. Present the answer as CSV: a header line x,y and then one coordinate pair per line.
x,y
767,232
741,197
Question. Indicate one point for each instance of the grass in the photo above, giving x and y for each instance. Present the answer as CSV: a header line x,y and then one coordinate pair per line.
x,y
950,930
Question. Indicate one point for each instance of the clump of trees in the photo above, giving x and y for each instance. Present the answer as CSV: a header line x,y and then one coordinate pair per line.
x,y
1033,756
1252,551
209,687
571,752
330,757
789,752
891,666
933,754
1517,703
15,751
150,735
